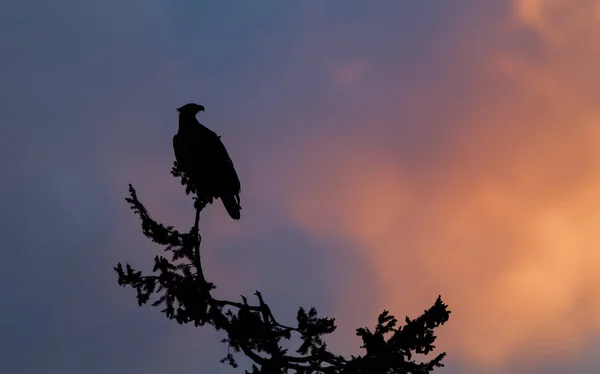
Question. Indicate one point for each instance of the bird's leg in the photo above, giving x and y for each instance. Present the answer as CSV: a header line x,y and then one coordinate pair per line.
x,y
198,204
201,201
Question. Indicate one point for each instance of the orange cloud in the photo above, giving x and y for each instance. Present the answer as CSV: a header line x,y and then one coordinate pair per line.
x,y
506,223
559,22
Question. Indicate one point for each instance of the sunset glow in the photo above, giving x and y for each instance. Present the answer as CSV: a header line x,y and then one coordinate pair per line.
x,y
388,153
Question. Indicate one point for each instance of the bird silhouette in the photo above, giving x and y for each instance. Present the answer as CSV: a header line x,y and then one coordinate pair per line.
x,y
202,156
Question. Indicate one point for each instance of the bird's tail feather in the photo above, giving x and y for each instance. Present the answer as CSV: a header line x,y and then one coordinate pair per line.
x,y
232,206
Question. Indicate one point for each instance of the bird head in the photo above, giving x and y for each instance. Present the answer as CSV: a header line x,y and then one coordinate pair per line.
x,y
191,109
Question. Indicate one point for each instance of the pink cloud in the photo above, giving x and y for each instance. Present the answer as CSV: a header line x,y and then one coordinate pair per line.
x,y
505,224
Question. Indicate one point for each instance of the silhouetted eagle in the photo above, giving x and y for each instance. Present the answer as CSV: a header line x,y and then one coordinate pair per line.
x,y
201,155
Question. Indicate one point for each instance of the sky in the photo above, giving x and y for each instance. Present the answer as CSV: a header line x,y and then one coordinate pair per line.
x,y
389,152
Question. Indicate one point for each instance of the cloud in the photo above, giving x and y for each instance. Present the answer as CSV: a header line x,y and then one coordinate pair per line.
x,y
558,22
501,215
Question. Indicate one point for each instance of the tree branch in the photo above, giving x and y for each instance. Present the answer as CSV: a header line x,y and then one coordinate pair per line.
x,y
253,330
